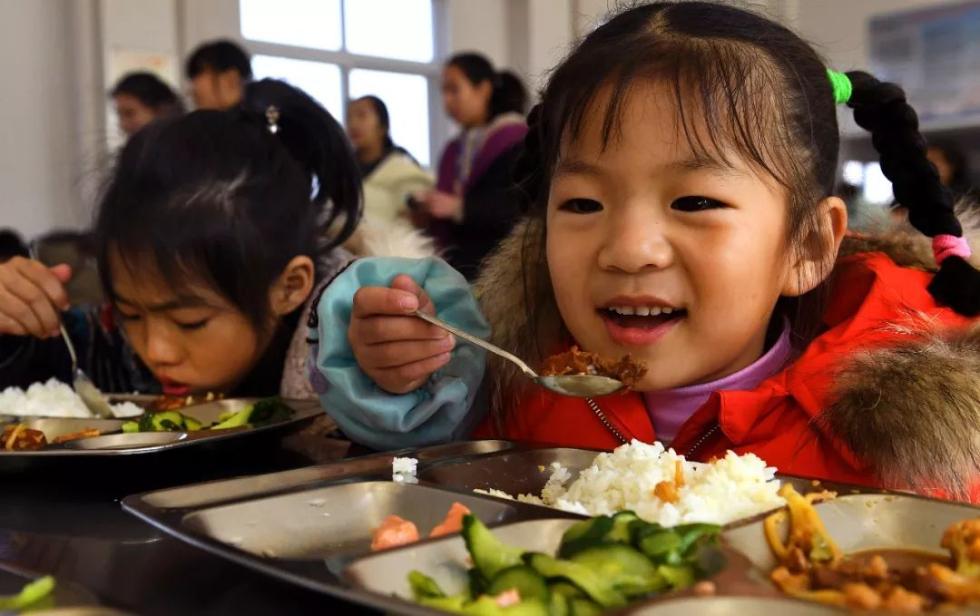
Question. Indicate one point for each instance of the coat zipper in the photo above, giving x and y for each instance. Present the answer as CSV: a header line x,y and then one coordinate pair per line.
x,y
701,441
605,420
619,436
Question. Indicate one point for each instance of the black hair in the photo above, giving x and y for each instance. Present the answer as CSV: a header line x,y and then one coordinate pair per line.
x,y
384,119
228,198
881,108
960,177
12,245
219,56
509,94
742,83
151,91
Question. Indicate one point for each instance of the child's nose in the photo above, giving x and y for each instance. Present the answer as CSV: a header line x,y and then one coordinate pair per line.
x,y
161,349
635,242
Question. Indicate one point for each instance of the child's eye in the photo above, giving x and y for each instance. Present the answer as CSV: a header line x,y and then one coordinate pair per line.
x,y
696,204
581,206
193,325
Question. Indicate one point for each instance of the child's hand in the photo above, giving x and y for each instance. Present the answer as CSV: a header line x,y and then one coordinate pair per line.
x,y
398,351
32,297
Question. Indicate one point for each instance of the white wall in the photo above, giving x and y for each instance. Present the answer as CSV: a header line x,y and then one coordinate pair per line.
x,y
38,173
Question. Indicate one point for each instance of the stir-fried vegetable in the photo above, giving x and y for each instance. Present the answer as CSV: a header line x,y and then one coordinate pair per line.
x,y
602,563
263,413
35,594
812,567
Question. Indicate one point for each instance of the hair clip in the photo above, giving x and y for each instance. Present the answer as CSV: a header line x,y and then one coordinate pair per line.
x,y
272,117
840,83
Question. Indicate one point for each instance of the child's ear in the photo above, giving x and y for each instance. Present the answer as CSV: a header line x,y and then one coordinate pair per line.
x,y
820,250
293,286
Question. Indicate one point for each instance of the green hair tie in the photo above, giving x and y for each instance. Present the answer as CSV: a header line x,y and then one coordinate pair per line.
x,y
841,85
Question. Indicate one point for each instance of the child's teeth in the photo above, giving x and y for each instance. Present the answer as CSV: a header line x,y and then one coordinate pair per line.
x,y
666,310
655,312
642,311
626,310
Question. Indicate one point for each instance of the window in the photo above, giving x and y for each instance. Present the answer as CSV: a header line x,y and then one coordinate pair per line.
x,y
407,98
318,79
337,50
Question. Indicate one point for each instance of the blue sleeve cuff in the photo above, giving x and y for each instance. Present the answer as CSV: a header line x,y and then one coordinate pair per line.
x,y
438,412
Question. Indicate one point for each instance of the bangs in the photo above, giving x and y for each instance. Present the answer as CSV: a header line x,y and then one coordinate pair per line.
x,y
721,92
193,239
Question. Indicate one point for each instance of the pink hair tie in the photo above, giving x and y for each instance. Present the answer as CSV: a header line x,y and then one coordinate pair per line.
x,y
950,246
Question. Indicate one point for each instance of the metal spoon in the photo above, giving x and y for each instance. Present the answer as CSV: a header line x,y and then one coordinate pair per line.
x,y
83,385
577,385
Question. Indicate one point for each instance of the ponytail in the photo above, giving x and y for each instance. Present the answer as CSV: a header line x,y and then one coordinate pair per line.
x,y
509,94
881,108
317,142
228,198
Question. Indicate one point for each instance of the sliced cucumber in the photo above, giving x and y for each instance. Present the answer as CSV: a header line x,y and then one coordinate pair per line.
x,y
583,607
624,568
489,555
528,583
584,535
594,585
423,586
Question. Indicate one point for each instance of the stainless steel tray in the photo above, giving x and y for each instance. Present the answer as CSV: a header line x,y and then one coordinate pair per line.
x,y
117,443
525,471
733,606
311,526
305,525
864,521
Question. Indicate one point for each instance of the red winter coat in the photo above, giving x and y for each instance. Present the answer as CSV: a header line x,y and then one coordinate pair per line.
x,y
870,401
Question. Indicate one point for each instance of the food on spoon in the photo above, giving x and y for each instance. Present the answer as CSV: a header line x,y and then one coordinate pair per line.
x,y
661,486
814,568
602,563
74,436
393,532
53,399
578,362
453,522
18,437
35,595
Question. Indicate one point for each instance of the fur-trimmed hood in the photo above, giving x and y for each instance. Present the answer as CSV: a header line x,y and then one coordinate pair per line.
x,y
911,411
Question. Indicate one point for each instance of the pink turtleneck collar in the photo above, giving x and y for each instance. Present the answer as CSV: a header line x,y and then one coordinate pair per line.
x,y
670,408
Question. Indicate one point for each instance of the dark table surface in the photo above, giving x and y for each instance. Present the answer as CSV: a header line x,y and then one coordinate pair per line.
x,y
65,520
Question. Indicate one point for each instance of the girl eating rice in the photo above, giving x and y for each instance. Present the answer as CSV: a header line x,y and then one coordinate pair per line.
x,y
210,243
680,170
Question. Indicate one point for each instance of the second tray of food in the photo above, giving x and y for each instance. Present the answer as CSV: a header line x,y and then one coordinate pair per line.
x,y
487,527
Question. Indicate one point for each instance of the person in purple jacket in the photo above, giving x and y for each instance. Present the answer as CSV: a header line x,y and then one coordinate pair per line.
x,y
472,207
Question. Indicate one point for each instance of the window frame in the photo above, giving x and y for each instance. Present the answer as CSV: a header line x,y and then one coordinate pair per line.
x,y
439,126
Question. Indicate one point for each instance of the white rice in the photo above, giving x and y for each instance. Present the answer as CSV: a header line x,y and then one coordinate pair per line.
x,y
723,491
54,399
404,470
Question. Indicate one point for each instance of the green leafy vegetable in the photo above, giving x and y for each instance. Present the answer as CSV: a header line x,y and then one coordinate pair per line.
x,y
31,595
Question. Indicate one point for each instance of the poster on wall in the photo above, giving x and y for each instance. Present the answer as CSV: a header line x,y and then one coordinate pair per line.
x,y
934,54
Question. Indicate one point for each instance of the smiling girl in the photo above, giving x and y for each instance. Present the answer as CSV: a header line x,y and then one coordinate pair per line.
x,y
210,244
680,170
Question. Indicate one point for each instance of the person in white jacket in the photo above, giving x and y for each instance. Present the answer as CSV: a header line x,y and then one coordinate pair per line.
x,y
390,175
